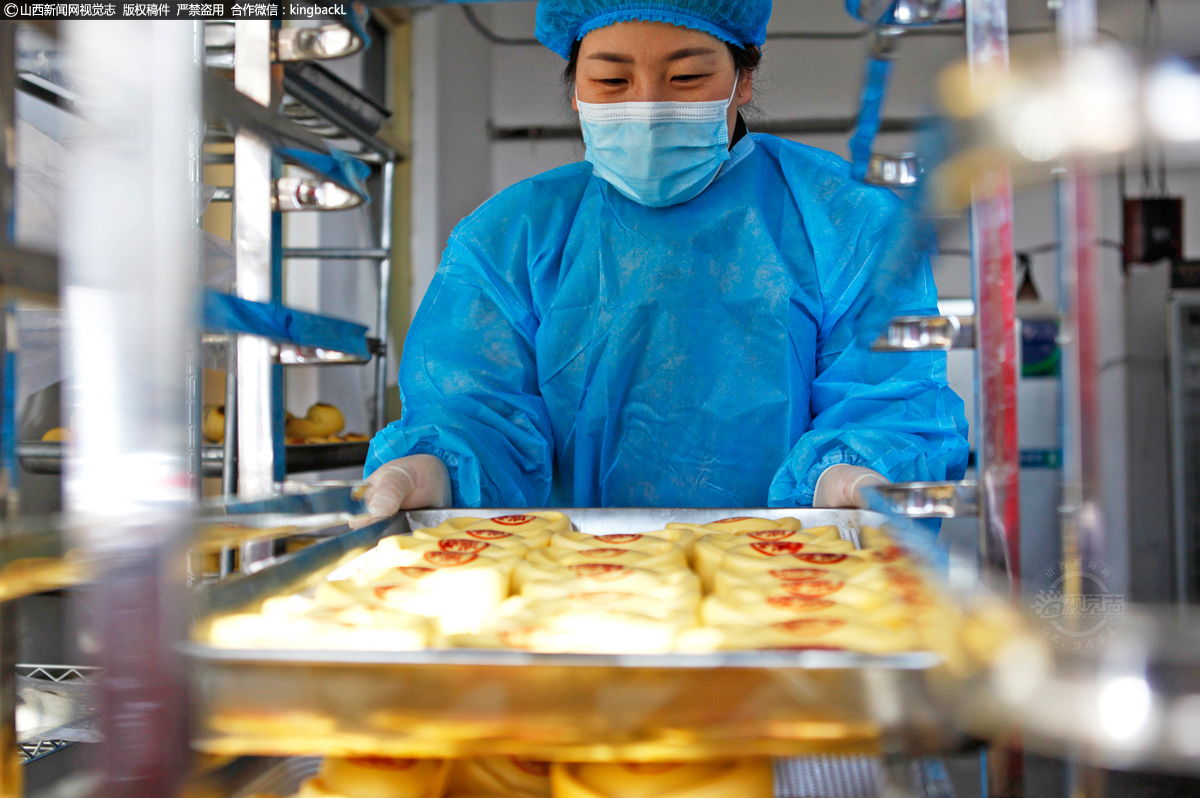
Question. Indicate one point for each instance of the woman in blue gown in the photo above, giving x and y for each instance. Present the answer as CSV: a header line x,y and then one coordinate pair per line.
x,y
673,321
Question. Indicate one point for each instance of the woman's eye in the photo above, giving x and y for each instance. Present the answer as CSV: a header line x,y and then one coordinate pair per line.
x,y
613,81
687,78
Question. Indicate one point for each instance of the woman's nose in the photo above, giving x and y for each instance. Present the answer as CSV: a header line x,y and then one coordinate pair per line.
x,y
644,91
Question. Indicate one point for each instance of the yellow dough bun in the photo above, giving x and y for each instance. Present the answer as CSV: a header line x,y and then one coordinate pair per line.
x,y
377,777
581,541
523,523
711,548
326,418
305,624
747,560
212,423
58,434
302,428
661,555
827,585
579,632
739,525
461,544
496,537
499,777
718,611
836,634
456,600
745,778
678,586
681,612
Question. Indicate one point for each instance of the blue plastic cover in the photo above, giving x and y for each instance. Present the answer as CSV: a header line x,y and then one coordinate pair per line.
x,y
887,17
560,23
875,84
343,169
577,349
226,313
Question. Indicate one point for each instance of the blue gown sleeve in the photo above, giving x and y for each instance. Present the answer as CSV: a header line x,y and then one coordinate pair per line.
x,y
468,378
887,411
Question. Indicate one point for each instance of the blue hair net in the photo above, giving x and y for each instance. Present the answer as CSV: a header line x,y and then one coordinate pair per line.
x,y
560,23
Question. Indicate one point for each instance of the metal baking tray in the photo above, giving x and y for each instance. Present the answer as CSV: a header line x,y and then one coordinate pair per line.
x,y
464,702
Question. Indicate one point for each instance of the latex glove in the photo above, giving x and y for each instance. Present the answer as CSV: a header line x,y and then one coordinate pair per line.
x,y
842,486
409,483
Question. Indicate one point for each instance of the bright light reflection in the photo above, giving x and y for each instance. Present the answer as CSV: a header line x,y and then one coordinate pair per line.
x,y
1173,102
1124,707
1038,129
1100,90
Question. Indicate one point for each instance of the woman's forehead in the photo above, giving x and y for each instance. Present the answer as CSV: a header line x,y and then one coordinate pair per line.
x,y
645,39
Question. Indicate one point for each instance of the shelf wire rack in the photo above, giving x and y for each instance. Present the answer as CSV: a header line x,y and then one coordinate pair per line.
x,y
52,673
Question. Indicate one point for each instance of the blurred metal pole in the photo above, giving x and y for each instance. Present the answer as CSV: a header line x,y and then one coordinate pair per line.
x,y
254,174
1081,521
10,764
128,246
379,412
997,455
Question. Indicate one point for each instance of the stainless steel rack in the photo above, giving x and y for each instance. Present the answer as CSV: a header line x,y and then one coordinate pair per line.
x,y
52,673
267,110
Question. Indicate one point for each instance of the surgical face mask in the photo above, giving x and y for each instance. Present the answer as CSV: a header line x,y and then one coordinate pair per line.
x,y
657,154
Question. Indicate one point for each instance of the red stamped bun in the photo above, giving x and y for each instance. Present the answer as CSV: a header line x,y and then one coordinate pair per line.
x,y
514,520
778,547
489,534
618,538
600,571
449,558
771,534
810,627
458,544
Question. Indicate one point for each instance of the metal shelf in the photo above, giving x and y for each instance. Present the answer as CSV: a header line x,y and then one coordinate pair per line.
x,y
52,673
46,457
217,345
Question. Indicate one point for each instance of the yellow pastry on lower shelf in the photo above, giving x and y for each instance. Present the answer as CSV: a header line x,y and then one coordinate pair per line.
x,y
499,777
377,777
744,778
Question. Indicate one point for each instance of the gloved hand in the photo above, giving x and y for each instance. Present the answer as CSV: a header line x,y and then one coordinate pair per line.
x,y
409,483
841,486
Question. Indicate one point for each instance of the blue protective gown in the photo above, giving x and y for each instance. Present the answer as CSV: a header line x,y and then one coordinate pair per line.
x,y
576,349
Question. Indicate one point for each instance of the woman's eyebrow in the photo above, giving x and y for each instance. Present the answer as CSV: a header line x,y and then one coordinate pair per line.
x,y
616,58
688,52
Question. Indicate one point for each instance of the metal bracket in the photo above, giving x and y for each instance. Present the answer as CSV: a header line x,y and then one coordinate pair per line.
x,y
296,355
909,13
926,499
308,44
894,171
308,194
291,44
926,334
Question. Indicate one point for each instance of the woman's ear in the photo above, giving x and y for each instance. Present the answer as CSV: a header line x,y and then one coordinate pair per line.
x,y
745,88
574,100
